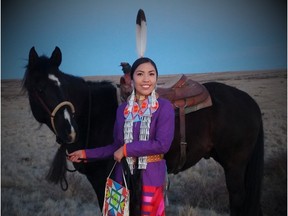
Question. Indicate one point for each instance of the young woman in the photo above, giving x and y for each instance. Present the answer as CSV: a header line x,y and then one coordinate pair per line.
x,y
143,133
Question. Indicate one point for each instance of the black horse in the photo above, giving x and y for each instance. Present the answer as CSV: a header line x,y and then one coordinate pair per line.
x,y
82,115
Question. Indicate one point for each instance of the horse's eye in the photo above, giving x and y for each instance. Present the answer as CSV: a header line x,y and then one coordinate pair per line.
x,y
40,90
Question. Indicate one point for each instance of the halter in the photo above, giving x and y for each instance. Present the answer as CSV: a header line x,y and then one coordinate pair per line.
x,y
55,110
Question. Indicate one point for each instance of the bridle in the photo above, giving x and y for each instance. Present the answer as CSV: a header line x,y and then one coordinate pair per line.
x,y
58,140
55,110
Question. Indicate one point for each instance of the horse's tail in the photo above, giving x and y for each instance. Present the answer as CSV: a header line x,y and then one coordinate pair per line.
x,y
57,172
254,176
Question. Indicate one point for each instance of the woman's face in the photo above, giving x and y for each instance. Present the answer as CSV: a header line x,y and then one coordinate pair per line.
x,y
145,79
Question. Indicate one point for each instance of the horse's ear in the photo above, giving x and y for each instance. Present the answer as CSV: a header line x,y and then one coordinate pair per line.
x,y
56,56
33,56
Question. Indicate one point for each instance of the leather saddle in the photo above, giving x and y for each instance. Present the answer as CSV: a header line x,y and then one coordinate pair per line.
x,y
187,93
187,96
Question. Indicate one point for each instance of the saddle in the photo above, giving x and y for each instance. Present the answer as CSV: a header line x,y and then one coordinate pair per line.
x,y
187,96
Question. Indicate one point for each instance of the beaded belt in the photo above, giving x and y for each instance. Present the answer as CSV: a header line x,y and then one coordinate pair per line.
x,y
154,158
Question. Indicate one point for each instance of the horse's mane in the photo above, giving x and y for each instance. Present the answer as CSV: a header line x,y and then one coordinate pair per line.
x,y
100,84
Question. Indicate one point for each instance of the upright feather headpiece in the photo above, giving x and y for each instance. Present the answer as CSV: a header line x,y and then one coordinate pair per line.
x,y
141,33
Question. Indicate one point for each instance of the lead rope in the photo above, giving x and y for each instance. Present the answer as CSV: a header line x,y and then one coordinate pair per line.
x,y
88,125
63,179
89,117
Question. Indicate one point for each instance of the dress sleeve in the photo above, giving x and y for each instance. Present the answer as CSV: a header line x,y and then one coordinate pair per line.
x,y
164,133
108,151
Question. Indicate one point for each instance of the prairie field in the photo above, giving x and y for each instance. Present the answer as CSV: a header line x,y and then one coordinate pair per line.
x,y
27,149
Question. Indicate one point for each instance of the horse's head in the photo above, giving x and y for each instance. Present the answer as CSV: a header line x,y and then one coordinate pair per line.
x,y
125,81
45,85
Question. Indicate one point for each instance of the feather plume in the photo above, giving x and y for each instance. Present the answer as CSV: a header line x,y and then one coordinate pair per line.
x,y
141,33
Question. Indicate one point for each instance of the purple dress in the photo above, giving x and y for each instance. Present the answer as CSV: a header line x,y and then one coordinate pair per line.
x,y
160,139
161,135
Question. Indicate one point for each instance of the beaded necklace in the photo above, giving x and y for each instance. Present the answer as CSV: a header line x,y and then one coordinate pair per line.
x,y
134,113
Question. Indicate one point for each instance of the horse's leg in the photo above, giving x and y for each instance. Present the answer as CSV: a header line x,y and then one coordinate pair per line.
x,y
242,201
244,182
96,174
254,176
98,184
235,184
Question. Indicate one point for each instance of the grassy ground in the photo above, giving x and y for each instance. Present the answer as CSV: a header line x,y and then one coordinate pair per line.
x,y
27,150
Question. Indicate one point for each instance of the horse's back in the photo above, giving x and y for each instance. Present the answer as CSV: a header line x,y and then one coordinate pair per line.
x,y
231,96
233,105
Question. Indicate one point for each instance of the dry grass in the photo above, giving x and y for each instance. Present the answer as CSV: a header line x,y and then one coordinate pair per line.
x,y
27,150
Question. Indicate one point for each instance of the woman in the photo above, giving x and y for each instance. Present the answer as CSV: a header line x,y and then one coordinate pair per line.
x,y
143,133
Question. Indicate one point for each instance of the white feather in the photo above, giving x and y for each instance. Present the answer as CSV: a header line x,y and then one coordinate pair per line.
x,y
141,37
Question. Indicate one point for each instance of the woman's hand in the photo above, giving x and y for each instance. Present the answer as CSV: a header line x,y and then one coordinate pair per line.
x,y
76,156
118,155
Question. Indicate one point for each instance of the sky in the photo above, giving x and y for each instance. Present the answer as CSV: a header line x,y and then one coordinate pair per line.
x,y
183,36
